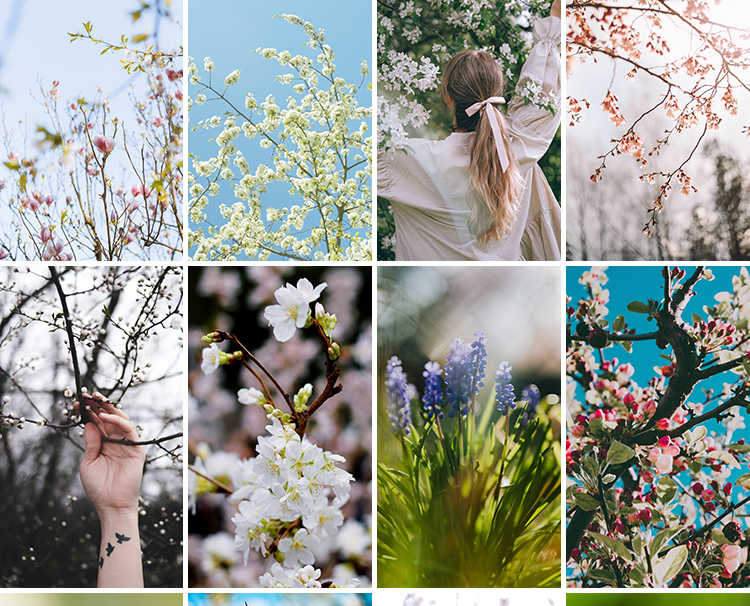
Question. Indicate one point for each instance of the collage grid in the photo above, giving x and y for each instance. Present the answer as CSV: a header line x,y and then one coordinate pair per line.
x,y
310,383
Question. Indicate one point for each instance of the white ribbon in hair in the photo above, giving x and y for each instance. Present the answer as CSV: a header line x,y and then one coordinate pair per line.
x,y
501,151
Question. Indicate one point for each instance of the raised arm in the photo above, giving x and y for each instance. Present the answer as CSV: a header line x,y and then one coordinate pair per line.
x,y
111,475
534,111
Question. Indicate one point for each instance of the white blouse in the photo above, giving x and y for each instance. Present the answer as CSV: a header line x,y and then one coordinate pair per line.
x,y
429,186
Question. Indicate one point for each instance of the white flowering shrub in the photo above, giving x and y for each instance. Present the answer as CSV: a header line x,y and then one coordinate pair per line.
x,y
115,330
415,39
92,182
321,159
281,431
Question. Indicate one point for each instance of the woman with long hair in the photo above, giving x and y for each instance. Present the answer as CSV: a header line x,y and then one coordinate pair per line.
x,y
479,194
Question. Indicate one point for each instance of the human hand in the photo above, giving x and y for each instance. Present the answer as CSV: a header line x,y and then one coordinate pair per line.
x,y
556,9
111,473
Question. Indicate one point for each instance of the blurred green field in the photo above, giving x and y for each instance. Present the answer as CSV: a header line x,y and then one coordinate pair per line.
x,y
657,599
92,599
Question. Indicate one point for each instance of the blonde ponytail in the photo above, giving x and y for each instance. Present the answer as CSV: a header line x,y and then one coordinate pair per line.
x,y
469,78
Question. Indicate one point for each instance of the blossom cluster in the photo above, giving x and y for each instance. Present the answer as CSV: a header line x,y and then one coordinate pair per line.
x,y
464,375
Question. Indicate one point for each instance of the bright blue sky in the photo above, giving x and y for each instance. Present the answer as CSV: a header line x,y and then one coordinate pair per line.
x,y
627,284
228,30
39,49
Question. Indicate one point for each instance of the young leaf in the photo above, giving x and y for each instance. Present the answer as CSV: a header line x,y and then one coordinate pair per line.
x,y
614,546
667,568
619,453
638,307
619,323
585,501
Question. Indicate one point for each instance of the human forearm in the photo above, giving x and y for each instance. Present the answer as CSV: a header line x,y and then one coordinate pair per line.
x,y
120,551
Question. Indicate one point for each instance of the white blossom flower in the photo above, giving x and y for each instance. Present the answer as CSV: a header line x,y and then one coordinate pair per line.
x,y
251,397
213,357
293,309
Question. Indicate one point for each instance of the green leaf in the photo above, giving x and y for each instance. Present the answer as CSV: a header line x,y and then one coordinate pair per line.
x,y
591,467
741,448
619,323
695,467
697,318
626,345
614,546
666,489
12,165
697,434
605,576
666,569
22,182
596,427
619,453
609,478
139,38
585,501
661,539
638,308
743,480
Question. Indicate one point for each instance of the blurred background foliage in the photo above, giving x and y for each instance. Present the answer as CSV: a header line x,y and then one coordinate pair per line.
x,y
92,599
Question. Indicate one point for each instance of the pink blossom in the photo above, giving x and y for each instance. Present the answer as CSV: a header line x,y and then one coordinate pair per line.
x,y
3,253
31,203
92,170
104,144
733,556
45,234
664,464
52,250
172,75
133,206
158,121
129,238
136,190
49,200
178,95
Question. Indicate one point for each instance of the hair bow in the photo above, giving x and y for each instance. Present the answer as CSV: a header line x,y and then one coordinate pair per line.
x,y
501,151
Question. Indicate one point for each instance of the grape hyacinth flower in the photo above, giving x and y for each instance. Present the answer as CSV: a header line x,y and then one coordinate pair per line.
x,y
531,395
398,396
458,377
478,362
433,392
505,396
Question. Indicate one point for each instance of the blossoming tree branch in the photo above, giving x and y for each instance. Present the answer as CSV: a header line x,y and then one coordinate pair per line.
x,y
658,497
322,160
291,493
698,64
99,186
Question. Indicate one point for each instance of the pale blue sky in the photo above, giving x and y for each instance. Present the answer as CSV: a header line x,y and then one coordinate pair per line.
x,y
229,30
38,49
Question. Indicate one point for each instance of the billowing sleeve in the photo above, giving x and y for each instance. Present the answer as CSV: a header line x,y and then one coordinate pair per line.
x,y
531,127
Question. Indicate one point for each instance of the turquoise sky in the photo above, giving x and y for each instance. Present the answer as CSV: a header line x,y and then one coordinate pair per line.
x,y
228,30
